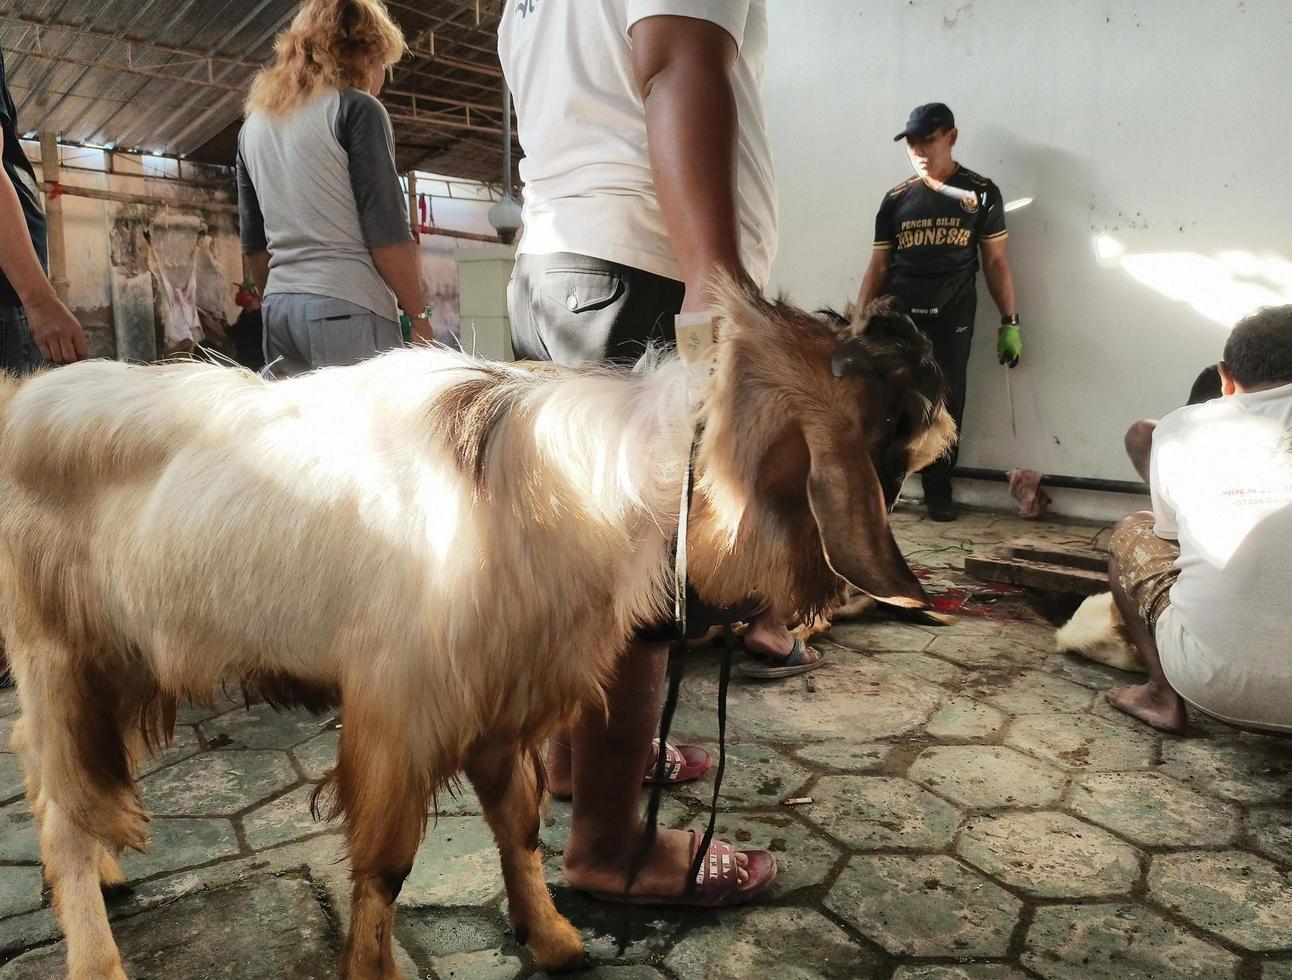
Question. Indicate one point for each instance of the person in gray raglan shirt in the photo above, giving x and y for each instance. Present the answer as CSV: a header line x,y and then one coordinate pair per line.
x,y
325,225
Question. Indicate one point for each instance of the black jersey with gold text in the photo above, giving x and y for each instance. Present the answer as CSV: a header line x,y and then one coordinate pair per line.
x,y
934,231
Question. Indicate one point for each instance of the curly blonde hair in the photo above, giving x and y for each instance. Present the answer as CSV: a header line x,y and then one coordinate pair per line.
x,y
330,44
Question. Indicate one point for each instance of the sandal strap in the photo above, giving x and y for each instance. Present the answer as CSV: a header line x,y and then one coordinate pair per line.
x,y
718,871
798,655
673,761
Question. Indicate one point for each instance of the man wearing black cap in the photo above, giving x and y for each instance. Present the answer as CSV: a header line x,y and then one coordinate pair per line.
x,y
928,233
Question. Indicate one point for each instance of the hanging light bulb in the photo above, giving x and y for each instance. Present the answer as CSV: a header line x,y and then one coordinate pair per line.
x,y
505,216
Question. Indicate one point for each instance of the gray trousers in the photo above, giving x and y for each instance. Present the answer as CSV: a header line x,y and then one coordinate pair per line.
x,y
304,332
571,309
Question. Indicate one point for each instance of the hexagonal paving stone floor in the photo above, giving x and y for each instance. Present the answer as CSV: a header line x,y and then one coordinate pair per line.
x,y
1155,810
1237,896
1118,942
987,776
923,905
1050,855
873,812
966,806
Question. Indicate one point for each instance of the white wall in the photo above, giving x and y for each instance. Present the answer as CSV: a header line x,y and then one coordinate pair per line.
x,y
1162,127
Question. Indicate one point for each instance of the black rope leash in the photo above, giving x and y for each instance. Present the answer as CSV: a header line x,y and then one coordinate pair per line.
x,y
724,681
676,671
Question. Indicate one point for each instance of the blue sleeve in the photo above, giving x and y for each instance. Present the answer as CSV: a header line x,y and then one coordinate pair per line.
x,y
364,132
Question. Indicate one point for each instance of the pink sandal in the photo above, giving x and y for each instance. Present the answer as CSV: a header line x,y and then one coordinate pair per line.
x,y
716,884
682,763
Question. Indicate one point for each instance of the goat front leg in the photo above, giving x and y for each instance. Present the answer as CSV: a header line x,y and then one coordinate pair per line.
x,y
506,781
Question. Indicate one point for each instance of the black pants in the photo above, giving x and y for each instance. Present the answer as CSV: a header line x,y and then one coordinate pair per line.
x,y
19,354
951,332
569,308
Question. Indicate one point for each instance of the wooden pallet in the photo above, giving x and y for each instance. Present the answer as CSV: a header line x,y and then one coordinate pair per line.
x,y
1040,565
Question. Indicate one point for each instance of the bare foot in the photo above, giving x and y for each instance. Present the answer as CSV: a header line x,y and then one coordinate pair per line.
x,y
663,874
1159,707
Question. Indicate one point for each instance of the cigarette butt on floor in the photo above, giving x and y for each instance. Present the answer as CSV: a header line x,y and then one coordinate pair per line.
x,y
798,801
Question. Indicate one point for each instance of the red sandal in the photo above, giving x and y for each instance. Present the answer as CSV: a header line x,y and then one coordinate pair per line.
x,y
682,763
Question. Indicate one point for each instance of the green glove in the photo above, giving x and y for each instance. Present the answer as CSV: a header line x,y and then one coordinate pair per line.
x,y
1009,342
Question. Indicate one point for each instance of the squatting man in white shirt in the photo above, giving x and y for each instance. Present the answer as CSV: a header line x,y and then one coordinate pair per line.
x,y
1201,581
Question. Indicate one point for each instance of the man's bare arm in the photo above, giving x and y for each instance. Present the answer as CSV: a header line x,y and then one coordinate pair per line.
x,y
872,283
682,66
1000,280
56,332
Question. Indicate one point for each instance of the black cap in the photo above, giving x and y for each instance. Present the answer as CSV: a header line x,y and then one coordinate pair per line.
x,y
925,120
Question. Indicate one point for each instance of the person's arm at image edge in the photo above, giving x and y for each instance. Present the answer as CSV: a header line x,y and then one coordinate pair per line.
x,y
682,66
55,330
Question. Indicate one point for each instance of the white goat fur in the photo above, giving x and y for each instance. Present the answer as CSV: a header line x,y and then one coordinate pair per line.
x,y
1097,633
455,551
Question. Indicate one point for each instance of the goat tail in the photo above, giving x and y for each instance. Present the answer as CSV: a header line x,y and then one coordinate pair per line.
x,y
325,800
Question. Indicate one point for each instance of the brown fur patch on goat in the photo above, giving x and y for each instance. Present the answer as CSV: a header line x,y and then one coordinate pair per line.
x,y
470,411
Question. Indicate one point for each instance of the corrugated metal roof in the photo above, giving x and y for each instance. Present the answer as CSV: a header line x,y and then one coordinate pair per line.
x,y
169,76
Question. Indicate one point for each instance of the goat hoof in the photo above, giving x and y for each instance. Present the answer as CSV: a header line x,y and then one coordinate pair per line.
x,y
558,949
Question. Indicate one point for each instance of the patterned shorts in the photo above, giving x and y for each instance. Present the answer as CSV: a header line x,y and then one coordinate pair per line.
x,y
1146,566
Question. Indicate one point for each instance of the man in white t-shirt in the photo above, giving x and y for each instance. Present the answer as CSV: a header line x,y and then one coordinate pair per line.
x,y
1202,580
647,169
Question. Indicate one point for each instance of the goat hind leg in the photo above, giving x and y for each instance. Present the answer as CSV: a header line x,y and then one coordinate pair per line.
x,y
383,791
506,781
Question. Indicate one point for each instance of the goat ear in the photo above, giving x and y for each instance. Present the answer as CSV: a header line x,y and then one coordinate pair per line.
x,y
848,506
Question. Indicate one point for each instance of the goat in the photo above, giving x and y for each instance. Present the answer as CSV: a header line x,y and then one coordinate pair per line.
x,y
360,520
